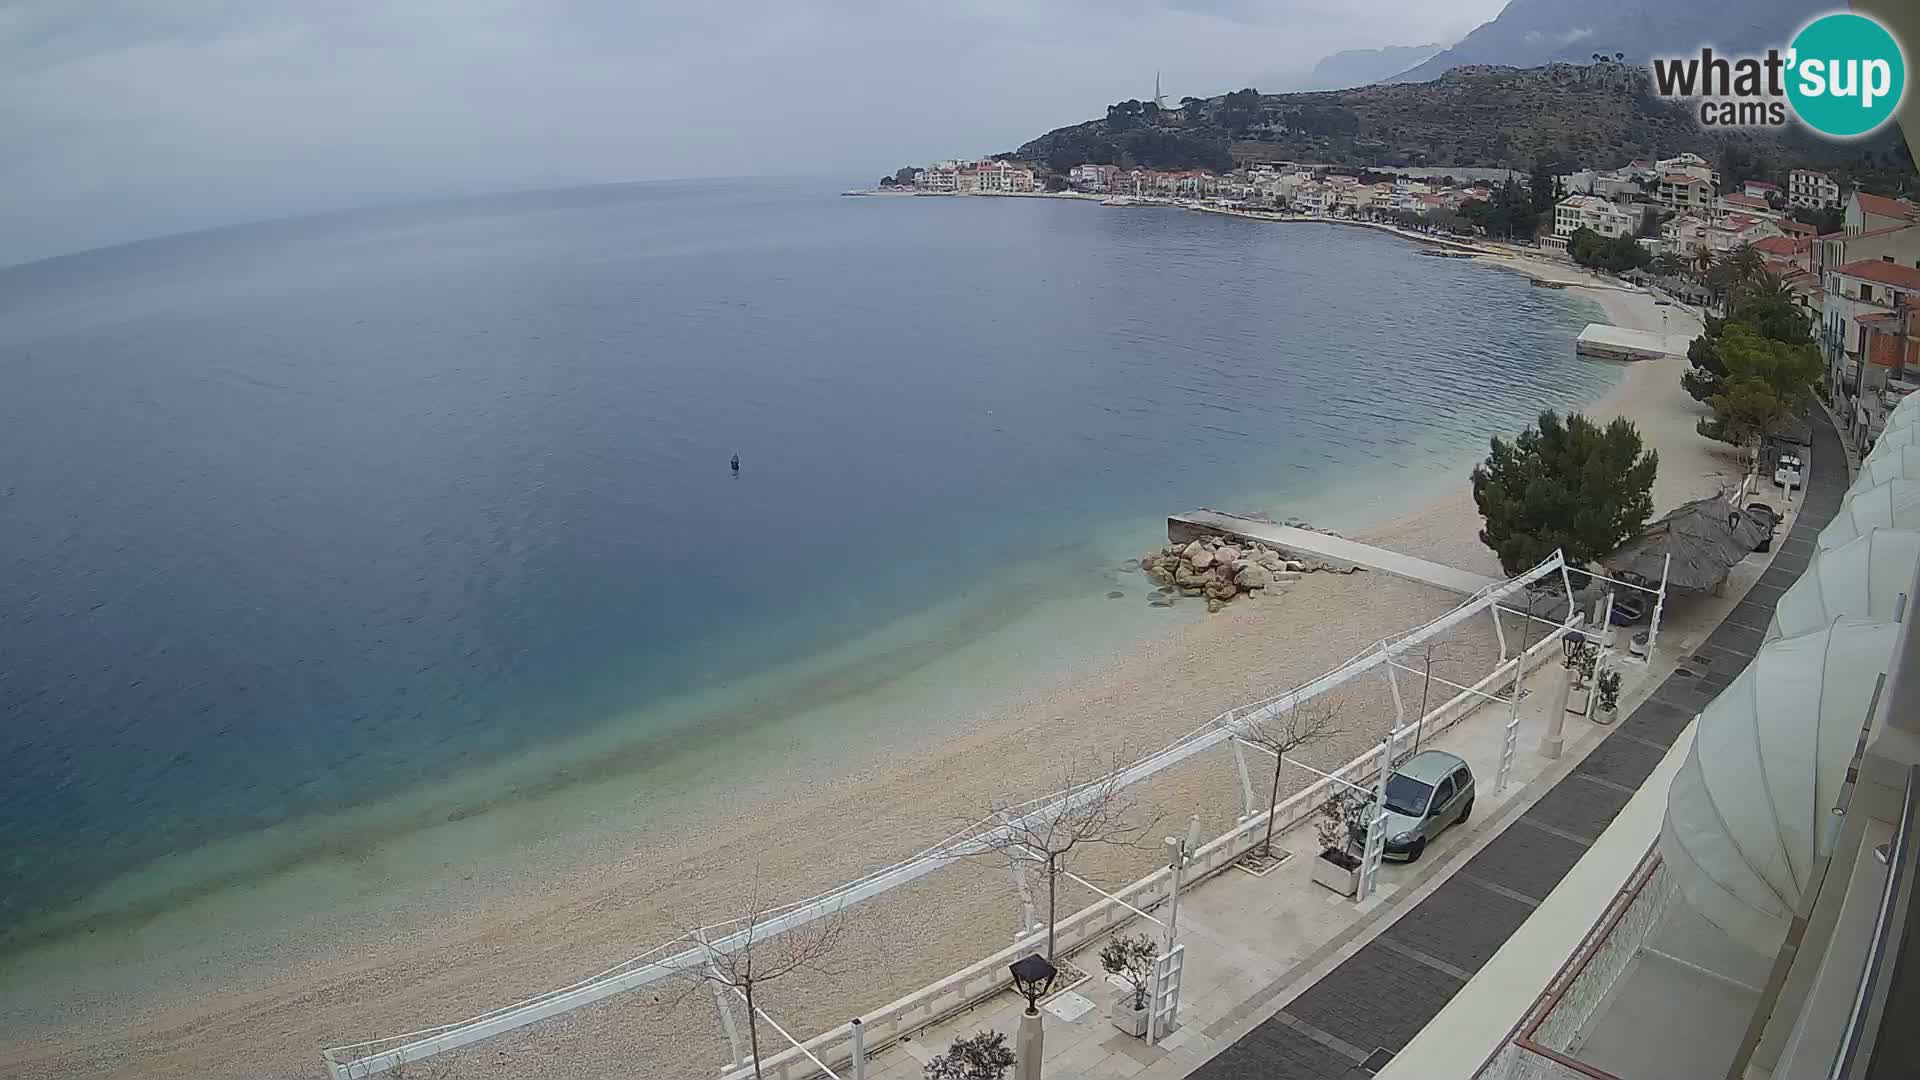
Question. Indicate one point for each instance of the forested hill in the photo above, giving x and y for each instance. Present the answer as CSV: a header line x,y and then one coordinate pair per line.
x,y
1564,115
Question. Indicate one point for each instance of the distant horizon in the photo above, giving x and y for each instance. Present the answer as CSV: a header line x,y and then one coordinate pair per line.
x,y
403,204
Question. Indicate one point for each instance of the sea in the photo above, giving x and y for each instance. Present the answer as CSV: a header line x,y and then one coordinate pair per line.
x,y
316,531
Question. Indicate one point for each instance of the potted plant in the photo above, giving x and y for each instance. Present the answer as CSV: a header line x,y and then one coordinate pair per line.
x,y
1336,867
983,1055
1131,958
1608,701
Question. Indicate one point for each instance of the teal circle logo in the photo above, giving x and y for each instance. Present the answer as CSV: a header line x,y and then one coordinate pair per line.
x,y
1846,75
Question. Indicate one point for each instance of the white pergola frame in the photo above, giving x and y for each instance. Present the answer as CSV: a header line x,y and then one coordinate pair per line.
x,y
356,1061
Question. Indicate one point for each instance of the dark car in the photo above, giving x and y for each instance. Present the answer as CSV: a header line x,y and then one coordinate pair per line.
x,y
1629,607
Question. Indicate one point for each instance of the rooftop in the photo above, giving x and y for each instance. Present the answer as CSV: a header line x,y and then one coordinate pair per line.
x,y
1881,206
1884,273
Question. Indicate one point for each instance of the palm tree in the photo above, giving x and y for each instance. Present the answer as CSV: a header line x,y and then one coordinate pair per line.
x,y
1667,264
1747,263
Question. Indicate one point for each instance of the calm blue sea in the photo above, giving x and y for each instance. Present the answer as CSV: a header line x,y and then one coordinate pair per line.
x,y
298,515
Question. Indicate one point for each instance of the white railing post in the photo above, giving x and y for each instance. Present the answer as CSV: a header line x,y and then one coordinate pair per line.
x,y
859,1040
1375,846
1510,742
1393,684
1659,606
1246,782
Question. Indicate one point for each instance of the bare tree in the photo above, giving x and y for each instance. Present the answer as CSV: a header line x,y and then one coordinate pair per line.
x,y
1308,722
1091,809
764,956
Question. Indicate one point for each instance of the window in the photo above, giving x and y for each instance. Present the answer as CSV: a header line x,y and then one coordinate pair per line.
x,y
1866,291
1444,794
1462,778
1408,796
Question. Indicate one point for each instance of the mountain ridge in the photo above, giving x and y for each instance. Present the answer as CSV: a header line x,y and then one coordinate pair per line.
x,y
1530,33
1600,114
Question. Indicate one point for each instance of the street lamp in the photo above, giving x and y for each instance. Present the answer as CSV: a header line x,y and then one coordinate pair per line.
x,y
1180,851
1032,977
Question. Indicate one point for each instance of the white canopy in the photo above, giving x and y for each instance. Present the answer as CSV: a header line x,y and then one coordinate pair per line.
x,y
1749,812
1892,504
1897,462
1863,578
1894,439
1905,413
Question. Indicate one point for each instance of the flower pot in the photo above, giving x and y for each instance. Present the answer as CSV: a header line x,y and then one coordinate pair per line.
x,y
1127,1018
1604,715
1338,871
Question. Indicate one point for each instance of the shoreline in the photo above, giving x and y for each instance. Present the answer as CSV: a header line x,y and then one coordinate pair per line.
x,y
559,923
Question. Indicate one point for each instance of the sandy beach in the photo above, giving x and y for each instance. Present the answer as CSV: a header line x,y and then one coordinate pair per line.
x,y
810,827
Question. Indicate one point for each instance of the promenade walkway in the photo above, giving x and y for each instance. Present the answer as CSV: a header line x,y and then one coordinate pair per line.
x,y
1324,547
1351,1022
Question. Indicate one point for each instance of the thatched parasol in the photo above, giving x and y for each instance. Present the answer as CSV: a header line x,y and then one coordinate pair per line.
x,y
1706,537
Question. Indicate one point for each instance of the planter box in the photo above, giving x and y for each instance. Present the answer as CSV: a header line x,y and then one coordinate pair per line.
x,y
1127,1018
1338,876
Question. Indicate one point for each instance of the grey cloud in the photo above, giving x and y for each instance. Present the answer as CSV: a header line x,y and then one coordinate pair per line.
x,y
131,118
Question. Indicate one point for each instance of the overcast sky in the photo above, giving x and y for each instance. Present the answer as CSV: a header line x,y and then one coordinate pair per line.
x,y
123,119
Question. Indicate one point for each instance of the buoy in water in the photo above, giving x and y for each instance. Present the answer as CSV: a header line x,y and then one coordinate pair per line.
x,y
736,463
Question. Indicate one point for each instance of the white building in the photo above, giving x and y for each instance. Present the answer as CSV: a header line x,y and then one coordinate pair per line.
x,y
1690,164
1684,191
1577,212
1812,189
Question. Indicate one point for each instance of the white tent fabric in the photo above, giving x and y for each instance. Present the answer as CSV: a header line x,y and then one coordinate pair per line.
x,y
1895,463
1893,504
1894,439
1862,578
1748,813
1905,413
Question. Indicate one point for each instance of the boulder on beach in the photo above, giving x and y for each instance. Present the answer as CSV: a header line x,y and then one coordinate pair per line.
x,y
1191,550
1189,591
1227,554
1253,576
1214,606
1201,559
1190,578
1222,590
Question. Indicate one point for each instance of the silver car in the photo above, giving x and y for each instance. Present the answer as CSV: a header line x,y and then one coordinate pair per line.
x,y
1432,790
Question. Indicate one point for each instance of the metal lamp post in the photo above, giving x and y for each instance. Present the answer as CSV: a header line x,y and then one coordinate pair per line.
x,y
1180,851
1032,977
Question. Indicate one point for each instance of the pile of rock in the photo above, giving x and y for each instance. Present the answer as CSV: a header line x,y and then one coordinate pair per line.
x,y
1219,569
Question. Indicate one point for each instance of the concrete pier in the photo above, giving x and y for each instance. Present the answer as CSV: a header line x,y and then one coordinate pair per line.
x,y
1321,547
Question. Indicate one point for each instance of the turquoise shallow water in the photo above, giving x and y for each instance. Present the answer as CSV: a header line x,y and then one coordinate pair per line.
x,y
432,504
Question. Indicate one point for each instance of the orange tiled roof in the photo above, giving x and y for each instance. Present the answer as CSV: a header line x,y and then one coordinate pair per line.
x,y
1881,206
1885,273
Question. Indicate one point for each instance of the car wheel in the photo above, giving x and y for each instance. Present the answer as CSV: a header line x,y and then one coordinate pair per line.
x,y
1414,852
1465,812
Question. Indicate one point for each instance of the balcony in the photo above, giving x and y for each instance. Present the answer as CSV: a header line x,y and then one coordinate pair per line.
x,y
1655,992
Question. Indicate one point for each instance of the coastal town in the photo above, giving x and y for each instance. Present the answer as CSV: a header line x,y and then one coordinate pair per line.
x,y
1850,258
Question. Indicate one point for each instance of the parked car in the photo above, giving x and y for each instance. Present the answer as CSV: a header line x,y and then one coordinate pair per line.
x,y
1786,471
1767,517
1628,608
1432,790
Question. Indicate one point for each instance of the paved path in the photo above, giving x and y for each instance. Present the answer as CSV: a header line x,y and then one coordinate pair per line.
x,y
1324,547
1349,1025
